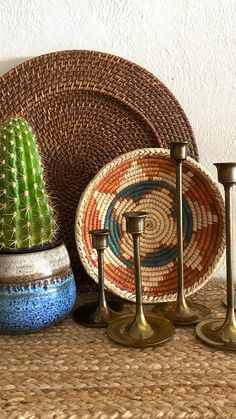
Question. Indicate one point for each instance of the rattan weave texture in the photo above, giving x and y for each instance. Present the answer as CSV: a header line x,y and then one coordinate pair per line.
x,y
87,108
72,372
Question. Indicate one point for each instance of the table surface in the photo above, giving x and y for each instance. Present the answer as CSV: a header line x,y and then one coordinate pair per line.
x,y
69,371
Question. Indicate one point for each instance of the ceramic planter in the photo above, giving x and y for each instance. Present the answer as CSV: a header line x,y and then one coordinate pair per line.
x,y
37,288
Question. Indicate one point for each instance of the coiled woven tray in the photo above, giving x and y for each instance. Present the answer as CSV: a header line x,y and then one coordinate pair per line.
x,y
144,180
87,108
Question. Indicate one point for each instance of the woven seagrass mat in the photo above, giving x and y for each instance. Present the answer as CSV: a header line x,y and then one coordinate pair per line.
x,y
87,108
72,372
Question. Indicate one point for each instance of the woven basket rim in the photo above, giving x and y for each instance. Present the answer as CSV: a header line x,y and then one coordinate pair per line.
x,y
92,271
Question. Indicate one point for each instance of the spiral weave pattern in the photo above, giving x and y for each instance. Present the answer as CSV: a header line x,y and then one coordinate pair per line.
x,y
144,180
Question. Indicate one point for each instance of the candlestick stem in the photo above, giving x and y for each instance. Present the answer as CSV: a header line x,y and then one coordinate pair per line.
x,y
181,303
139,327
97,314
230,322
182,313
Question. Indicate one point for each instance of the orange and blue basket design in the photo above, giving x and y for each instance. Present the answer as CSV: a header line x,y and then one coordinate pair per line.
x,y
144,180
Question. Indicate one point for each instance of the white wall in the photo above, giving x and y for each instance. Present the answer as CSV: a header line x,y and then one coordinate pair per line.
x,y
188,44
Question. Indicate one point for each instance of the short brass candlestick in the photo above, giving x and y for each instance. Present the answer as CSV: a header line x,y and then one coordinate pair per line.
x,y
182,312
96,314
222,332
139,330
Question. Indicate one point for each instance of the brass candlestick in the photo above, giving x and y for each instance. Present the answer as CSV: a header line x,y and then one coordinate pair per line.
x,y
182,312
139,330
96,314
222,332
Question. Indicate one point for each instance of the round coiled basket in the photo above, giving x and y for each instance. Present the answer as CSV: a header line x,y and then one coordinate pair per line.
x,y
144,180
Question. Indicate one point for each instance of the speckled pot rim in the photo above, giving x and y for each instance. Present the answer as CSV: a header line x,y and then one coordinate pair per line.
x,y
34,249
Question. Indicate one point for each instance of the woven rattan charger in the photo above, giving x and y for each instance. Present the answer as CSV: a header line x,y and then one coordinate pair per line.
x,y
144,180
87,108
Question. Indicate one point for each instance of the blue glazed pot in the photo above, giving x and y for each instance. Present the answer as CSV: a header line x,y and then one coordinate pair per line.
x,y
36,289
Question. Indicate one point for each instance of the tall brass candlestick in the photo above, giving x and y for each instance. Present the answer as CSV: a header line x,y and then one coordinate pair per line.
x,y
139,330
182,312
222,332
96,314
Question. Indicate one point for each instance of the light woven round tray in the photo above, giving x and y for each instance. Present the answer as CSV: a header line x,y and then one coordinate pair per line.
x,y
86,109
144,180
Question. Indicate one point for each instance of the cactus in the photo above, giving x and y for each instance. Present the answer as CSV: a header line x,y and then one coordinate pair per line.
x,y
26,218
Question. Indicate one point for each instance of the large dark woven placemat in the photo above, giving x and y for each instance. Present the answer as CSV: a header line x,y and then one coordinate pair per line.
x,y
72,372
87,108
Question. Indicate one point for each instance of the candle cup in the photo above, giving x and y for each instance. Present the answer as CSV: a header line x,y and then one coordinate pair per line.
x,y
97,314
222,332
181,312
139,330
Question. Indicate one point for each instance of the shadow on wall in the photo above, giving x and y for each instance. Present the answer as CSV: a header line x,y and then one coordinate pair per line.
x,y
6,65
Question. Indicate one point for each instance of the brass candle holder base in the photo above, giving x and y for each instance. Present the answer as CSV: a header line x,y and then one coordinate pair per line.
x,y
91,315
225,300
217,332
127,331
184,314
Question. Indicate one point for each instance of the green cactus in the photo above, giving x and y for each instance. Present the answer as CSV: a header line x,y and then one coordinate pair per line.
x,y
26,218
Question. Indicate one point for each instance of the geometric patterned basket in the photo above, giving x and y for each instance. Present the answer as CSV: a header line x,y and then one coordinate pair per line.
x,y
144,180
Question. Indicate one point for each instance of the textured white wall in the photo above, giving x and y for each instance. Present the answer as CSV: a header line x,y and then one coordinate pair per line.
x,y
188,44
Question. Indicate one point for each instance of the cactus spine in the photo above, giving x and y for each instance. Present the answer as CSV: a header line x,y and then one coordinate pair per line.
x,y
26,218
